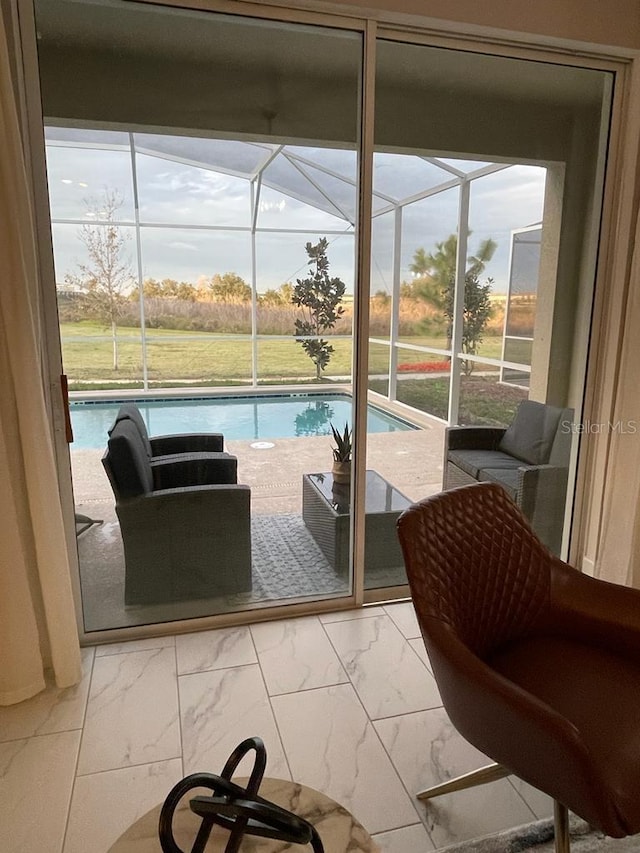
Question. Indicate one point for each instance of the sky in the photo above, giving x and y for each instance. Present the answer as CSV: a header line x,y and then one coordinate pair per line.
x,y
190,199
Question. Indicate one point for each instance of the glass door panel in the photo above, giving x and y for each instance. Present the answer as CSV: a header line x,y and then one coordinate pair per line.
x,y
220,148
484,296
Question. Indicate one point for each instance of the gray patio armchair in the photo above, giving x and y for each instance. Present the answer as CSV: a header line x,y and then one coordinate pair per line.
x,y
185,522
529,459
165,445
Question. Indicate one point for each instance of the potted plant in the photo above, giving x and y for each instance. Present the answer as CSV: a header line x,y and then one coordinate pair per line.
x,y
341,455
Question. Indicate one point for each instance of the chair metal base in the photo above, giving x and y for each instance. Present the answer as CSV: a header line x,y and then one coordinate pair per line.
x,y
561,827
491,773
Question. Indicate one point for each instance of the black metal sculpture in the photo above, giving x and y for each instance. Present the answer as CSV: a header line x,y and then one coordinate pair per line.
x,y
238,809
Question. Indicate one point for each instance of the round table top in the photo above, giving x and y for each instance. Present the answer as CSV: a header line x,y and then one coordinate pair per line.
x,y
337,828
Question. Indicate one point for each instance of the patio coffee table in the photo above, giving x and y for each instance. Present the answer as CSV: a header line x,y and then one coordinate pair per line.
x,y
325,511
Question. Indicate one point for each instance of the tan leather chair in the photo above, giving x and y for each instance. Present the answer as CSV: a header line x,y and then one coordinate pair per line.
x,y
538,665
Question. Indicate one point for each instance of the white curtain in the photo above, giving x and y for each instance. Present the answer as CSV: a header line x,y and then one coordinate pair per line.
x,y
37,619
619,553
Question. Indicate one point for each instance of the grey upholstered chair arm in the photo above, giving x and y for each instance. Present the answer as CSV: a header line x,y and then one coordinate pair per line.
x,y
194,469
197,509
163,445
473,438
550,480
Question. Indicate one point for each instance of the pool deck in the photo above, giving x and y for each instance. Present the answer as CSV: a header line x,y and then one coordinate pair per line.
x,y
410,460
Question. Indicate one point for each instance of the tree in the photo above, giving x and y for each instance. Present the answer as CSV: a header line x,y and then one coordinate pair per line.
x,y
436,273
477,311
230,288
421,264
168,288
380,299
408,290
185,291
151,289
276,298
107,275
319,296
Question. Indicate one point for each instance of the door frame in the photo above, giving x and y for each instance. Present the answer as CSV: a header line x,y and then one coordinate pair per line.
x,y
611,286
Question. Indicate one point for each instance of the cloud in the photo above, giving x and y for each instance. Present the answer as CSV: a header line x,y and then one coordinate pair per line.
x,y
190,247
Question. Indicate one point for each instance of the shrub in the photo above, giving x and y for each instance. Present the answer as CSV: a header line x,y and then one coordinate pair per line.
x,y
425,367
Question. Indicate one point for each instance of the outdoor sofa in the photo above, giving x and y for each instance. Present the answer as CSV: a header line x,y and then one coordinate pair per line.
x,y
529,459
184,519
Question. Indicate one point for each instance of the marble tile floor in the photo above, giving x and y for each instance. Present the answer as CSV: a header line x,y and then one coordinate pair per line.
x,y
345,703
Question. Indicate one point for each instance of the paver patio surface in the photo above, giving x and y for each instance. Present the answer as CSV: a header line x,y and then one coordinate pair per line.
x,y
411,460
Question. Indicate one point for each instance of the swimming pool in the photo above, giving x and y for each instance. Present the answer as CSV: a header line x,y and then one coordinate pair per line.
x,y
249,418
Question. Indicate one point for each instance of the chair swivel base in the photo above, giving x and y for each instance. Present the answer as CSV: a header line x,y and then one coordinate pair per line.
x,y
491,773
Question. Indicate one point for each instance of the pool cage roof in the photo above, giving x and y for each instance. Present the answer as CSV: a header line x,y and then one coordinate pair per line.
x,y
323,177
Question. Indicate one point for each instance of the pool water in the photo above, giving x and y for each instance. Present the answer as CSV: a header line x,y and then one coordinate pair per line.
x,y
248,418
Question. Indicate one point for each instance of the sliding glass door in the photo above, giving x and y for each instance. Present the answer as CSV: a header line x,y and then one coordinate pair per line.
x,y
210,194
203,185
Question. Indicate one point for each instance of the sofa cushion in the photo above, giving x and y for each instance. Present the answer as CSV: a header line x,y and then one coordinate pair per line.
x,y
473,461
128,460
531,433
132,413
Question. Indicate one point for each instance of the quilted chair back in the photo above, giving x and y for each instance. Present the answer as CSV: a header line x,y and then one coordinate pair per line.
x,y
475,565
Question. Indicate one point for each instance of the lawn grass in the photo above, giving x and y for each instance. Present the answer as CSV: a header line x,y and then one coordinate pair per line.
x,y
483,400
200,358
490,347
176,358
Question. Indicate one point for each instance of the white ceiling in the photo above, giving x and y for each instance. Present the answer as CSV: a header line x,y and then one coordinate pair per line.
x,y
214,40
